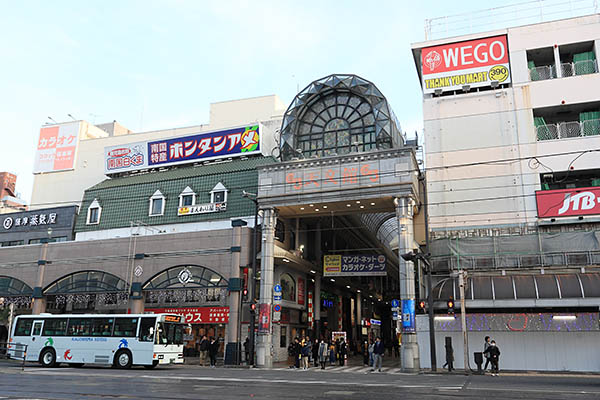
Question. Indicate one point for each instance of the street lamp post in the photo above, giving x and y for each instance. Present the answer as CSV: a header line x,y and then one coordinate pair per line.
x,y
413,256
252,341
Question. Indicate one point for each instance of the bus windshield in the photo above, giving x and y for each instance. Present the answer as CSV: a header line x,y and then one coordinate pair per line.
x,y
169,333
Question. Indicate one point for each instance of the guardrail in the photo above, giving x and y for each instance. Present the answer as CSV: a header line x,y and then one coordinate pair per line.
x,y
512,261
546,72
568,129
15,351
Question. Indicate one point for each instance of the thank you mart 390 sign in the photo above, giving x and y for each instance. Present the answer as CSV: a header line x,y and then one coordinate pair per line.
x,y
476,63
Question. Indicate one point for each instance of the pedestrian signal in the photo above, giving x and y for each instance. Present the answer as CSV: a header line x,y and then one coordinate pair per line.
x,y
451,306
422,305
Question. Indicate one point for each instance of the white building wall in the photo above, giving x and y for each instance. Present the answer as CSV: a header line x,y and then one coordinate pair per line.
x,y
474,129
67,187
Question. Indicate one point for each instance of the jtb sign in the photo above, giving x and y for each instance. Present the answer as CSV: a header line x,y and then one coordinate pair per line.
x,y
475,63
568,202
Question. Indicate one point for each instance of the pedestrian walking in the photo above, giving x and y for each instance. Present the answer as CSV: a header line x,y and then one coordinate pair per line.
x,y
378,353
322,353
494,353
342,351
449,354
332,353
203,350
396,348
297,353
315,352
213,350
486,344
371,347
305,353
247,350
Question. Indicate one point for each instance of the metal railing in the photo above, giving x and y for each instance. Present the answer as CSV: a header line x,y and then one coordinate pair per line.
x,y
546,72
14,351
511,261
568,129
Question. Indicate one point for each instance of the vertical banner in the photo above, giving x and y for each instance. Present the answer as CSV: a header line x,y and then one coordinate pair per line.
x,y
408,315
301,291
310,310
264,318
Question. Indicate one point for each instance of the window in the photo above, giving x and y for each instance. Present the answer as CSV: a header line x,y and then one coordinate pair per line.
x,y
187,197
79,327
288,287
126,327
102,326
218,194
23,327
12,243
283,336
55,327
157,204
93,214
147,329
51,240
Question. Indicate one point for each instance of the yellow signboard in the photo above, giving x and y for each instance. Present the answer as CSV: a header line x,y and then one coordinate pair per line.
x,y
332,264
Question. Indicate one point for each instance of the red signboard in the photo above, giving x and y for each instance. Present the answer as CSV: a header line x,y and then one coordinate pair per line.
x,y
264,318
568,202
301,291
475,63
197,315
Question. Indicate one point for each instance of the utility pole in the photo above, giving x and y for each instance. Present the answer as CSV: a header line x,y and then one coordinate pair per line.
x,y
462,275
252,341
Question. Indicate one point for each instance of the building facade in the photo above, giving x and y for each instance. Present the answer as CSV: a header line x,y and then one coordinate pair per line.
x,y
511,128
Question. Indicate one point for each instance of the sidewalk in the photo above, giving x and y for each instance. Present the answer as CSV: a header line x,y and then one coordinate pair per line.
x,y
351,361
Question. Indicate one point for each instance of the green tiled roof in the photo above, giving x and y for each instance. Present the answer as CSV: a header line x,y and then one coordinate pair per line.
x,y
127,199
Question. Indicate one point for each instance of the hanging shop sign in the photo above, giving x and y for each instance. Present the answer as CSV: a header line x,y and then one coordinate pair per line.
x,y
408,315
202,209
235,142
264,318
568,202
301,291
354,265
57,147
197,315
476,63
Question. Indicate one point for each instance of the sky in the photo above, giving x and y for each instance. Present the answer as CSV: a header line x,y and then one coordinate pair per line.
x,y
159,64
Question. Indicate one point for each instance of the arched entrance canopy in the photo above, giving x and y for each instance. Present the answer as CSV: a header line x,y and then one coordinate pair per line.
x,y
86,282
185,277
14,287
337,115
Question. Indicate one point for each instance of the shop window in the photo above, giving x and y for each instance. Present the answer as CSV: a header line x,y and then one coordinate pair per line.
x,y
157,204
283,337
93,214
51,240
218,194
288,287
187,197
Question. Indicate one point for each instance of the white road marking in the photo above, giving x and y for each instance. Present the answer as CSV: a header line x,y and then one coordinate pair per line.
x,y
340,392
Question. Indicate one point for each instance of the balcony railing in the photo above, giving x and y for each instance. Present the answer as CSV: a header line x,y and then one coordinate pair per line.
x,y
569,129
545,72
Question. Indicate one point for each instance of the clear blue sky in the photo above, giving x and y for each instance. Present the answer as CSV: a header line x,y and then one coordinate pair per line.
x,y
109,60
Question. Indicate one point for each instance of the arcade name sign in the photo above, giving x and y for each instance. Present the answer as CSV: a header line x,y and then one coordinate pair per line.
x,y
354,265
235,142
568,202
202,209
475,63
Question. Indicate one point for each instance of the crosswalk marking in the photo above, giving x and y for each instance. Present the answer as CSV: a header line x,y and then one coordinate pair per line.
x,y
350,369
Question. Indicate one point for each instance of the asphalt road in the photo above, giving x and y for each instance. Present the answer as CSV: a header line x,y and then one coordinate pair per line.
x,y
193,382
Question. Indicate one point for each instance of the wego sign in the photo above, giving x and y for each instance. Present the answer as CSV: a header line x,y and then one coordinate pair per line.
x,y
475,63
568,202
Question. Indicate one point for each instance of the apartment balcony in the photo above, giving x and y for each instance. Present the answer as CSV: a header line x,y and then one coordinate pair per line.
x,y
570,129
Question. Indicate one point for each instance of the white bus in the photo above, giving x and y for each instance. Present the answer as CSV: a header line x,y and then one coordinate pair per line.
x,y
121,340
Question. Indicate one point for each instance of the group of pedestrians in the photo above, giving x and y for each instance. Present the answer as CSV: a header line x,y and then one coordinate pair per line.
x,y
492,355
209,347
304,353
373,353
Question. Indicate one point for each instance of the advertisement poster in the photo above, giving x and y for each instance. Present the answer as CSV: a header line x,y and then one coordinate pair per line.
x,y
57,147
338,336
197,315
475,63
264,318
354,265
408,315
125,157
568,202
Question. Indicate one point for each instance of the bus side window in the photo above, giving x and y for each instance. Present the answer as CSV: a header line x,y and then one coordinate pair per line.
x,y
23,327
147,329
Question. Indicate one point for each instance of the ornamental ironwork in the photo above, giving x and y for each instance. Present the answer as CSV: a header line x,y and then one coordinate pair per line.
x,y
335,115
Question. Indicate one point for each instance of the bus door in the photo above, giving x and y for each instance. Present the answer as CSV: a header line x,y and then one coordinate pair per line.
x,y
36,343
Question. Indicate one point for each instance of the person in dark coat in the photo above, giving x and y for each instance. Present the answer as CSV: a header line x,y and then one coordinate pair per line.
x,y
315,352
322,351
213,350
297,353
247,350
449,355
204,343
494,354
378,353
486,344
342,351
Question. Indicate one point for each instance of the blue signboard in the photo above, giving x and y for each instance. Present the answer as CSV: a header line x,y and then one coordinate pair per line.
x,y
395,303
408,315
204,146
277,288
354,265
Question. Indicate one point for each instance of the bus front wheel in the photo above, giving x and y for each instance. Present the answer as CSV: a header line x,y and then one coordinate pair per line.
x,y
123,359
48,358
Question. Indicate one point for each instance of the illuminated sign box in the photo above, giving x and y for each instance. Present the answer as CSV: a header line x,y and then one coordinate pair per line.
x,y
568,202
469,64
202,209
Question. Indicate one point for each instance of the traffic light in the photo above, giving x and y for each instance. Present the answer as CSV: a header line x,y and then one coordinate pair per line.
x,y
245,294
252,308
422,305
451,306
